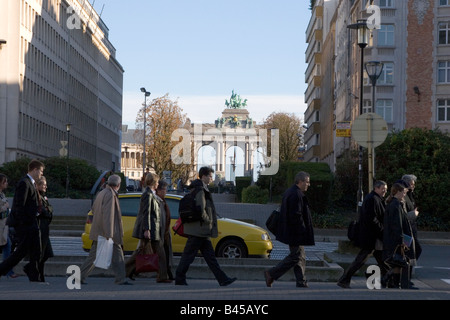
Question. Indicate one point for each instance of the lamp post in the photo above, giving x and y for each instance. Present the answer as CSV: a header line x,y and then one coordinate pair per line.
x,y
67,160
373,69
146,94
361,26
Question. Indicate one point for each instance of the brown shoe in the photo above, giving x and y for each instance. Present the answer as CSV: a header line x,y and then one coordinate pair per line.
x,y
269,279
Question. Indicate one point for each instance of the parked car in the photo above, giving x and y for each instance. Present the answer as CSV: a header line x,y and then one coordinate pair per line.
x,y
236,239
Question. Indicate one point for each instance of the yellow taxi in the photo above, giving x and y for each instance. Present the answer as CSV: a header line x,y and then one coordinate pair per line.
x,y
236,239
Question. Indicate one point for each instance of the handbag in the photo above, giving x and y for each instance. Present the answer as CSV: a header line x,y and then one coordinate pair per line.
x,y
398,258
147,262
104,252
178,228
272,221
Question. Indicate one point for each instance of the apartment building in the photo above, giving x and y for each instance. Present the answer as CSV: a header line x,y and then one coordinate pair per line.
x,y
57,68
413,90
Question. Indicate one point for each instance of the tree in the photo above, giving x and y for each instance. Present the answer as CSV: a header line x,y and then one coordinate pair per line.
x,y
163,117
290,129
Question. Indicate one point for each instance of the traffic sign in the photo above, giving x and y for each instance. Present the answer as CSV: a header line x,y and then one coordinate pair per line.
x,y
369,129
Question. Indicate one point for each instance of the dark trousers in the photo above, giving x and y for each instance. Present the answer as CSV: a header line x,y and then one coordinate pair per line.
x,y
295,259
193,245
360,260
28,244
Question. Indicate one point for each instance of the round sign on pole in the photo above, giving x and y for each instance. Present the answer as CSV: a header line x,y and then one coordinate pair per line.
x,y
377,134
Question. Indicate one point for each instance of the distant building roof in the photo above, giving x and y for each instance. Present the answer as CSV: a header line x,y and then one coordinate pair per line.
x,y
128,135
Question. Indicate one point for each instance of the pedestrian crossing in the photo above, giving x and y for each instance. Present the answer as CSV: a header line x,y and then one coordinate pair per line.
x,y
313,253
72,246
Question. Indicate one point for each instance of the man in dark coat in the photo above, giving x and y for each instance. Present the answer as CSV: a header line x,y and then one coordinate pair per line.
x,y
23,219
370,234
200,232
295,229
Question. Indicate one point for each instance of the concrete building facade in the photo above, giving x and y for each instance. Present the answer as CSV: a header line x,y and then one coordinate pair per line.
x,y
58,67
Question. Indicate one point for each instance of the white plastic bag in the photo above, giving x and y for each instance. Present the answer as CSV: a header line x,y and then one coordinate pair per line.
x,y
104,252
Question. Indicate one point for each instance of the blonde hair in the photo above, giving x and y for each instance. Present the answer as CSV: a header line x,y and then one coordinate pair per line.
x,y
151,180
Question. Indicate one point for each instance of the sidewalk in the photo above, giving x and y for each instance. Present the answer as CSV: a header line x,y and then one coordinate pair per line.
x,y
103,288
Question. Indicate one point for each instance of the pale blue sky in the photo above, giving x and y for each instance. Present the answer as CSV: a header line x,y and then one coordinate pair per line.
x,y
200,50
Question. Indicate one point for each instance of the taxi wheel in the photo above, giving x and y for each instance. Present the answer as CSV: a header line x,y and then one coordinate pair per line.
x,y
232,249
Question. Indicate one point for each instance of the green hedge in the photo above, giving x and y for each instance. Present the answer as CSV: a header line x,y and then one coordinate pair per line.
x,y
241,183
319,192
426,154
82,176
254,194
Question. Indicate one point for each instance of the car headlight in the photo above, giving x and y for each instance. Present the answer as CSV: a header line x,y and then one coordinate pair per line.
x,y
264,236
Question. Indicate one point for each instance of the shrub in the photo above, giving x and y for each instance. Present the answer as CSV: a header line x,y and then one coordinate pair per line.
x,y
254,194
319,193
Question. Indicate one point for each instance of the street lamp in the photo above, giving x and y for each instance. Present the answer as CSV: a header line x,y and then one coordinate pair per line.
x,y
363,40
374,70
67,159
146,94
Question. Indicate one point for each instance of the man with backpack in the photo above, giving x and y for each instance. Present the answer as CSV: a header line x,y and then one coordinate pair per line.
x,y
200,231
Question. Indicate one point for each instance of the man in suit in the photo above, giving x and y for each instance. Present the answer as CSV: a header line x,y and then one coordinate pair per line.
x,y
23,219
296,230
107,222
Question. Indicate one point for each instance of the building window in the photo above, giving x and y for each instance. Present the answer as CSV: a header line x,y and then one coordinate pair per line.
x,y
386,3
443,2
443,110
444,72
387,76
444,33
384,109
386,35
367,106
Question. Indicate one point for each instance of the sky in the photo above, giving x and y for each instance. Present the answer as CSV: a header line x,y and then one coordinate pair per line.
x,y
198,51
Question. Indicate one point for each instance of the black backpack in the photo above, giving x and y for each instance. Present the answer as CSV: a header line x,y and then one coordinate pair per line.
x,y
188,210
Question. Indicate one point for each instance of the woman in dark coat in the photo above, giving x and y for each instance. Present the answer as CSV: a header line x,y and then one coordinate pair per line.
x,y
396,229
147,230
44,219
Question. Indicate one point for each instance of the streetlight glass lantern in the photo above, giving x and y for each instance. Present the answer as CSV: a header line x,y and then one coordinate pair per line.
x,y
374,70
363,32
68,127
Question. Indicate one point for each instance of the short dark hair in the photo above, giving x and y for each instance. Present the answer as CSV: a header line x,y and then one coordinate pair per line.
x,y
35,164
162,184
205,171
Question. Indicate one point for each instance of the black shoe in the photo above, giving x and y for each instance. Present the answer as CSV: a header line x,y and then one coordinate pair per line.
x,y
227,282
125,283
181,283
344,285
303,284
